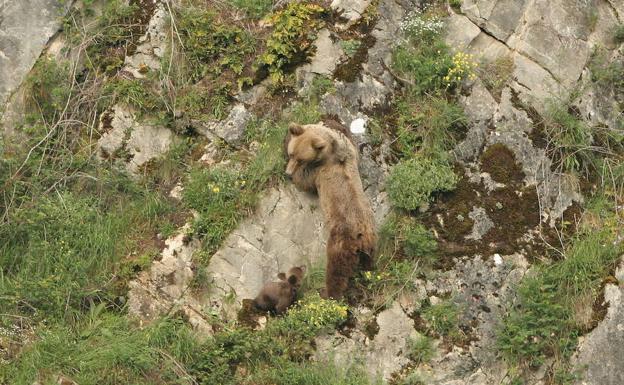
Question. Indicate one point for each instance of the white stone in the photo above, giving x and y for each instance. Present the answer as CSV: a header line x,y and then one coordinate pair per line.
x,y
358,126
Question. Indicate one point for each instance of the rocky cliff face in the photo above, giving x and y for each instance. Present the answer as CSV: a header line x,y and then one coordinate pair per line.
x,y
548,45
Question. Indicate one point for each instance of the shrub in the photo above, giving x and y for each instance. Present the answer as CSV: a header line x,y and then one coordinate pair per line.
x,y
496,75
48,86
294,31
213,47
411,182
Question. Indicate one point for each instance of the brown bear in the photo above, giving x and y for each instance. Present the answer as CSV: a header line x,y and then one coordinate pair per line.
x,y
325,160
278,296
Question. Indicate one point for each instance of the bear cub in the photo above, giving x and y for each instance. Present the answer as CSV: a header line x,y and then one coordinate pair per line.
x,y
278,296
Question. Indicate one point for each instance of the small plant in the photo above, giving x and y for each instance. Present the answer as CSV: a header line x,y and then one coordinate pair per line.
x,y
350,47
411,182
462,69
420,349
133,92
254,8
443,319
419,26
496,75
294,31
570,139
456,5
418,242
618,35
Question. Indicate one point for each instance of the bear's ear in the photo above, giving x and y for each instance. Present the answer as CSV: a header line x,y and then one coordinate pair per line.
x,y
319,144
295,129
303,268
282,276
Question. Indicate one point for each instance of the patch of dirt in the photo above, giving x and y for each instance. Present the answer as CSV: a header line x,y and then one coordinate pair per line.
x,y
514,210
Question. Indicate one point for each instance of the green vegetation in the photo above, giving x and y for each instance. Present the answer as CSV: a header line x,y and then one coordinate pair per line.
x,y
105,349
420,349
428,125
212,47
233,353
443,319
570,138
254,8
412,182
350,47
618,35
291,41
544,323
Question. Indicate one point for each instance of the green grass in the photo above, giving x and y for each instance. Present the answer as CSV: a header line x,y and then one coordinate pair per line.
x,y
570,138
254,8
428,125
412,182
420,349
105,349
542,323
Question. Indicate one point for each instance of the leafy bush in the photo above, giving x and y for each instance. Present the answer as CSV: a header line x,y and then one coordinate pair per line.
x,y
218,195
213,47
48,86
411,182
294,31
618,35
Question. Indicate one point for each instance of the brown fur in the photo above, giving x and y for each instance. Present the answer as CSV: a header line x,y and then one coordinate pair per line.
x,y
328,160
304,178
278,296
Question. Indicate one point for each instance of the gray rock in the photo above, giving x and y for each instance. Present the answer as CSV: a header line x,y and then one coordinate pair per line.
x,y
165,288
231,129
381,356
152,45
327,56
25,28
460,31
482,223
600,355
122,132
351,10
